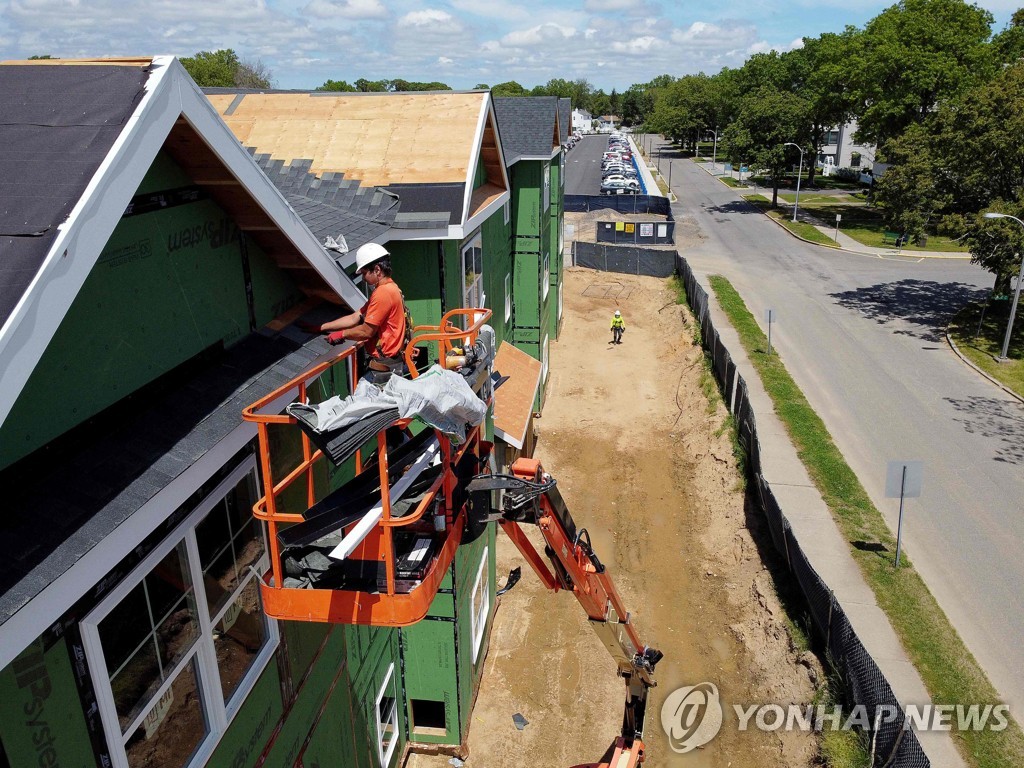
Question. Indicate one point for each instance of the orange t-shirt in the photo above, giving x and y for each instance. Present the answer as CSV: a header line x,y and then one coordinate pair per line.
x,y
385,311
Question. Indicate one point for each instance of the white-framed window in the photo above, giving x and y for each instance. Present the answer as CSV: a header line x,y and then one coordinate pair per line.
x,y
545,277
507,210
561,169
508,297
473,273
386,712
480,605
544,359
547,186
561,237
176,646
559,301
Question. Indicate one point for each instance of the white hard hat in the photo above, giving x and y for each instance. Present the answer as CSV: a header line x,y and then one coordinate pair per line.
x,y
617,313
369,253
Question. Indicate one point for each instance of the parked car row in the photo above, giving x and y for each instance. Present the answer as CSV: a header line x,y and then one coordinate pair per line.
x,y
572,141
618,173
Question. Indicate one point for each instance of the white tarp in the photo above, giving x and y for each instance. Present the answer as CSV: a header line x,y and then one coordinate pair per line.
x,y
439,398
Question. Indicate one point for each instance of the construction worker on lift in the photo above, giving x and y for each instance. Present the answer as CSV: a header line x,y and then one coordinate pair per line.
x,y
618,327
380,326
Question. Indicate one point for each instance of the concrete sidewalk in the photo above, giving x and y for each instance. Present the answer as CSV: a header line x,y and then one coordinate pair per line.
x,y
845,242
825,547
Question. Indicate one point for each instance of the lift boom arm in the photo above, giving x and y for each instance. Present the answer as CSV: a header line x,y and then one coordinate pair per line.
x,y
529,495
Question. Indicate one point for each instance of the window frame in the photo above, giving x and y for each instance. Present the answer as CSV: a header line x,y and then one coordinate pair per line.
x,y
545,276
507,210
385,760
475,240
544,359
508,296
547,186
478,620
217,712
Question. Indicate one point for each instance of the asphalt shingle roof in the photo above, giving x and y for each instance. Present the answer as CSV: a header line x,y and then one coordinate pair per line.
x,y
526,125
564,119
82,495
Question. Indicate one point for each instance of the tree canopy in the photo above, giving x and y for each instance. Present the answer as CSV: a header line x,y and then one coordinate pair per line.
x,y
223,69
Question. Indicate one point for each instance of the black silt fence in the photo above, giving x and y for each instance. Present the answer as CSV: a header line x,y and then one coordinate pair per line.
x,y
656,204
893,746
624,259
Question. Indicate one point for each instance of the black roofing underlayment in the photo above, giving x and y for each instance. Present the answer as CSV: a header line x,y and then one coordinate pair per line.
x,y
57,124
526,126
82,496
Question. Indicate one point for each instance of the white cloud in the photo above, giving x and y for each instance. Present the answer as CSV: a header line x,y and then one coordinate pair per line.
x,y
444,61
638,45
703,36
541,34
493,9
346,9
432,18
603,6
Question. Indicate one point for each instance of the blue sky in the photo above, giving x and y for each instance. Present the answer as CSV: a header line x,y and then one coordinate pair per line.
x,y
611,43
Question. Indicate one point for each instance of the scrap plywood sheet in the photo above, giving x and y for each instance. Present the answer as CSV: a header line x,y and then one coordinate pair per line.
x,y
378,139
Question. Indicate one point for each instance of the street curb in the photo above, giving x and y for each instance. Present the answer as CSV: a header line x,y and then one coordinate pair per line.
x,y
964,358
838,247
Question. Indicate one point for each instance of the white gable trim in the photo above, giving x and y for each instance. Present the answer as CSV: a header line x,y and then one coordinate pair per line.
x,y
486,118
169,93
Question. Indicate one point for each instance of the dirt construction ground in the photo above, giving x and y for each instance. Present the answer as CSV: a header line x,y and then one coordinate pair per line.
x,y
646,467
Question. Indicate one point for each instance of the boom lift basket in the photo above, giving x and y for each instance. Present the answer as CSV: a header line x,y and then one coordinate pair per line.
x,y
378,583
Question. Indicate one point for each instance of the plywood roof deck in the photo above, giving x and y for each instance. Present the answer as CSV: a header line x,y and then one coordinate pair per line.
x,y
378,139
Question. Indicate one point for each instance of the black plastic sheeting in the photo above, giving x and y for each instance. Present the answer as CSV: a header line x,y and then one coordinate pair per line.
x,y
624,259
58,125
894,746
621,203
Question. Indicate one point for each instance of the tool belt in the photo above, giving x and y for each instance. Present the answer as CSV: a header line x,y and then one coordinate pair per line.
x,y
390,364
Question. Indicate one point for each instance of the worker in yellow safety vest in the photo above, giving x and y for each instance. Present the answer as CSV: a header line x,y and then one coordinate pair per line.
x,y
618,327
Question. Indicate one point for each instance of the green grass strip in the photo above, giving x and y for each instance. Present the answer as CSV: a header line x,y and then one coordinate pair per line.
x,y
806,231
948,669
978,333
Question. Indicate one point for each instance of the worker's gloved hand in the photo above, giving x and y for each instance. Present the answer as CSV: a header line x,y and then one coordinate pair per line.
x,y
309,327
336,338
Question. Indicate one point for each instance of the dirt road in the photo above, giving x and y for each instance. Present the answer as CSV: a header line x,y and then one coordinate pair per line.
x,y
645,466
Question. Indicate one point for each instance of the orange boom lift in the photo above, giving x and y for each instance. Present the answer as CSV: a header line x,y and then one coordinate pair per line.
x,y
374,583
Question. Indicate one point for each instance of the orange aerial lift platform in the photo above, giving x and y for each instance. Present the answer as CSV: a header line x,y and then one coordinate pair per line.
x,y
414,498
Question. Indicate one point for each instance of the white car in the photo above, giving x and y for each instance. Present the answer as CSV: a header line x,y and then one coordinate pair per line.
x,y
617,187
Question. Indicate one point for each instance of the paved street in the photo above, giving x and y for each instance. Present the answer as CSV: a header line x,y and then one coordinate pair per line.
x,y
583,165
863,337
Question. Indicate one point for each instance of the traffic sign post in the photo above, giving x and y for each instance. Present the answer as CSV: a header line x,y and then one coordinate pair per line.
x,y
839,217
769,317
902,481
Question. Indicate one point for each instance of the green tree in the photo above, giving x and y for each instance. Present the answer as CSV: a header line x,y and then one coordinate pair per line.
x,y
815,73
223,69
40,58
911,194
615,102
337,85
511,88
768,118
482,87
371,86
406,85
911,58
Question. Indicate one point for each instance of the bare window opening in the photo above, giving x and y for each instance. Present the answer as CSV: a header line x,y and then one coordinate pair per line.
x,y
428,718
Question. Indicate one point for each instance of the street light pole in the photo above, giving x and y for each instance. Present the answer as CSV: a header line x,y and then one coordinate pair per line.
x,y
1016,293
714,151
799,175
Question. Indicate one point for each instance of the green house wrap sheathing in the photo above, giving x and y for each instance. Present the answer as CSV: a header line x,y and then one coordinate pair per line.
x,y
41,720
169,284
556,234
